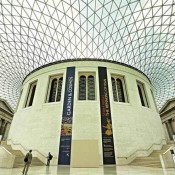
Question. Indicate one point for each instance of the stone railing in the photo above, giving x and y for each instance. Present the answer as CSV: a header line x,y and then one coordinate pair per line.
x,y
140,153
35,153
6,158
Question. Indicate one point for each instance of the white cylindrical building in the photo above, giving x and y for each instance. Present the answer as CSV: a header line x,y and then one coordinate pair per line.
x,y
69,106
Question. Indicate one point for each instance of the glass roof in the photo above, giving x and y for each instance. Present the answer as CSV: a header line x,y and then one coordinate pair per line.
x,y
139,33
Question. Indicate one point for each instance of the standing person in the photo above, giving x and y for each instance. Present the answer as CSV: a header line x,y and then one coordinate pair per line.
x,y
27,161
49,158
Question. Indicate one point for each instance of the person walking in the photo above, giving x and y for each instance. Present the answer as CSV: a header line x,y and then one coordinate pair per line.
x,y
27,162
49,158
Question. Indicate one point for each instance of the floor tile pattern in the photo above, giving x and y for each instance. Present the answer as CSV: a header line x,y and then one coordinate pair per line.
x,y
106,170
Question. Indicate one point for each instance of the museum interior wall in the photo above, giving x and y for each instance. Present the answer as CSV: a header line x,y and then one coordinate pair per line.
x,y
131,124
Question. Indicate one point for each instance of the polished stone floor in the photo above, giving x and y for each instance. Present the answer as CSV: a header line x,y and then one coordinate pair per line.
x,y
61,170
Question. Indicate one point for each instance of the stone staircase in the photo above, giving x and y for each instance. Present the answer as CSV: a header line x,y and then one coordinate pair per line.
x,y
153,159
19,157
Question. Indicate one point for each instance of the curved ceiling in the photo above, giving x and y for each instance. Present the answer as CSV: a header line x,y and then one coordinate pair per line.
x,y
139,33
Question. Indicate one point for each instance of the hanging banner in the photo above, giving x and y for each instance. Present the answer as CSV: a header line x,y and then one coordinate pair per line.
x,y
106,122
66,126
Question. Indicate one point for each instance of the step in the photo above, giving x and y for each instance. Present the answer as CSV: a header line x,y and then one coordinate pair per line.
x,y
148,165
147,159
19,157
153,159
19,162
33,163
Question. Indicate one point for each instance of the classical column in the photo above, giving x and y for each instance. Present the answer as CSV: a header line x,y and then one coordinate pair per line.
x,y
170,129
3,128
6,131
173,124
166,131
0,125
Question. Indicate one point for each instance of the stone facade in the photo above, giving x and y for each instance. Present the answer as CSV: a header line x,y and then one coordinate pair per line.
x,y
167,114
136,129
6,116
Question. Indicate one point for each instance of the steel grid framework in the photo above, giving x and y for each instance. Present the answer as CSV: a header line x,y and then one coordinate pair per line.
x,y
139,33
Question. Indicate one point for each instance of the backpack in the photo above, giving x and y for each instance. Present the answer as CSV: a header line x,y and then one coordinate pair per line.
x,y
26,158
50,157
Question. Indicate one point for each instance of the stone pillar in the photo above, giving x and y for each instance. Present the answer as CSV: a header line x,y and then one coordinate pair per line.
x,y
173,124
0,129
166,131
170,129
3,128
0,125
7,127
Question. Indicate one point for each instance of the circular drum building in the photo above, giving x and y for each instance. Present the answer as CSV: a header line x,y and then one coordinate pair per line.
x,y
87,112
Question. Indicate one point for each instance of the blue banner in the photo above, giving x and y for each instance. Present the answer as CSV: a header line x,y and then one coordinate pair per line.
x,y
66,126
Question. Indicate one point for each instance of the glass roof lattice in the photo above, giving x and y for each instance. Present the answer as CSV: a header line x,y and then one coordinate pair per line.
x,y
140,33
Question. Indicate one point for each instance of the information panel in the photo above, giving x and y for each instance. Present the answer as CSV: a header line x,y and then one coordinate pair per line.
x,y
66,126
106,122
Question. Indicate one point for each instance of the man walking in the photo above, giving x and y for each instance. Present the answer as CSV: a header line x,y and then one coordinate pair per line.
x,y
27,162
